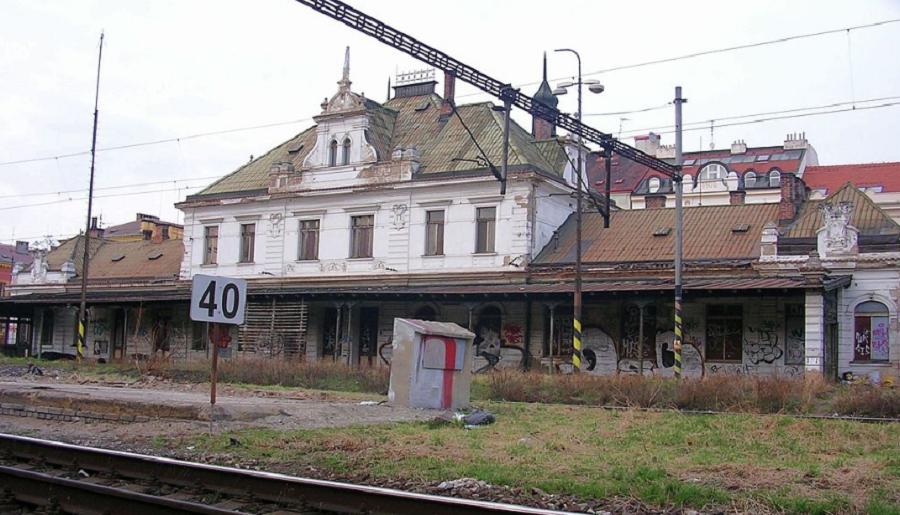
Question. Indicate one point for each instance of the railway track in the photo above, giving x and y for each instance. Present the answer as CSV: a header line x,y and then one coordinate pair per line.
x,y
54,478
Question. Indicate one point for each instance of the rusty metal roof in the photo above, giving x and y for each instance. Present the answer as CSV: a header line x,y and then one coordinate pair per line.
x,y
867,216
710,234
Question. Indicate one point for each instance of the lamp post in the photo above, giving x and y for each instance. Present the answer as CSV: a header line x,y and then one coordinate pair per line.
x,y
595,87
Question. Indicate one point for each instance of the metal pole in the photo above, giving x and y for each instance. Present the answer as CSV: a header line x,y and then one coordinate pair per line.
x,y
608,154
507,107
576,321
82,310
679,229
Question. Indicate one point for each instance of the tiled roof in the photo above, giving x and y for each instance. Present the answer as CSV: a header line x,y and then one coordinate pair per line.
x,y
709,235
131,258
628,175
870,175
414,122
8,254
867,216
137,260
73,249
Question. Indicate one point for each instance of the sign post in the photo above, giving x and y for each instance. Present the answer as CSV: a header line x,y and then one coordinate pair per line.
x,y
220,301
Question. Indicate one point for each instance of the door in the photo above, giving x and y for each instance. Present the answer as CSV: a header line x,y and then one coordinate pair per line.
x,y
368,335
118,336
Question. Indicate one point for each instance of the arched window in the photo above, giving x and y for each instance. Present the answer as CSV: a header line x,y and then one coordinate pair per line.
x,y
426,313
345,155
774,178
871,332
713,172
654,184
332,153
749,179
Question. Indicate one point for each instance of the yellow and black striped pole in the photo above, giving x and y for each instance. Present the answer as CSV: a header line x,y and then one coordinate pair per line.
x,y
576,355
679,232
80,342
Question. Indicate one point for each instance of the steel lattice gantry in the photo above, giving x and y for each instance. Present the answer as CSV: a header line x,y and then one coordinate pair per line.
x,y
433,57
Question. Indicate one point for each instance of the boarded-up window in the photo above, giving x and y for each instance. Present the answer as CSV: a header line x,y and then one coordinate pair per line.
x,y
871,332
434,233
486,219
211,240
274,327
309,240
724,332
361,229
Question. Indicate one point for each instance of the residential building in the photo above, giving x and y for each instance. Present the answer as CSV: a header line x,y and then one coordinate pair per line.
x,y
144,227
880,181
12,257
740,174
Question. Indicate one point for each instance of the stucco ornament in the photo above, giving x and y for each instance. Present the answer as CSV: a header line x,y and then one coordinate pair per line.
x,y
837,236
276,221
399,211
344,99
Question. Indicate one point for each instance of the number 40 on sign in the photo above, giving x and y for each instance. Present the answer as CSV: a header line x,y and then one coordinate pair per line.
x,y
218,299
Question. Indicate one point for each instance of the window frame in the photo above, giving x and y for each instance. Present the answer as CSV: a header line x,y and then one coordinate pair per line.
x,y
654,184
435,248
345,151
870,316
750,179
777,175
704,176
332,152
490,226
247,250
210,253
360,230
726,318
302,233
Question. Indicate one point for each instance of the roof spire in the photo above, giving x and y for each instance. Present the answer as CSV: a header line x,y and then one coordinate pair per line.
x,y
545,66
345,79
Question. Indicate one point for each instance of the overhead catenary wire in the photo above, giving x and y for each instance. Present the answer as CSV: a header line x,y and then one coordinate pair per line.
x,y
714,51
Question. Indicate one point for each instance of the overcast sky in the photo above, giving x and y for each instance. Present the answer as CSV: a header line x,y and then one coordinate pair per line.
x,y
173,69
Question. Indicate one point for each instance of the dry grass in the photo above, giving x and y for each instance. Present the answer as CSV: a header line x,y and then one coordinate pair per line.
x,y
317,375
868,401
736,394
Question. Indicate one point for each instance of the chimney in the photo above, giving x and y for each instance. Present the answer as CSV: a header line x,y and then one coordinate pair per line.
x,y
21,247
793,195
449,95
795,141
160,233
647,144
655,201
736,197
96,232
769,241
739,147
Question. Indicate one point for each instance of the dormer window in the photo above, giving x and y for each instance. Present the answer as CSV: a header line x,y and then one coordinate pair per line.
x,y
712,172
654,184
774,178
345,155
749,179
332,153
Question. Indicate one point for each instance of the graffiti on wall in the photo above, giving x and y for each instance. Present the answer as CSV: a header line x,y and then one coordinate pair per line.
x,y
99,327
762,346
794,335
733,369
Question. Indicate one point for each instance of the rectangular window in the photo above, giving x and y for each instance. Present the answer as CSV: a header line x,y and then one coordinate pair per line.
x,y
434,233
248,242
870,341
309,240
361,229
47,329
211,241
486,220
724,332
199,336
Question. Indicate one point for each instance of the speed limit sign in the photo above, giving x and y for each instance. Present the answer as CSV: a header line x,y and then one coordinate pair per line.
x,y
218,299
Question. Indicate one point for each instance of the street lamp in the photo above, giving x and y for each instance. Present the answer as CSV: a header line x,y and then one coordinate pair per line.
x,y
594,86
